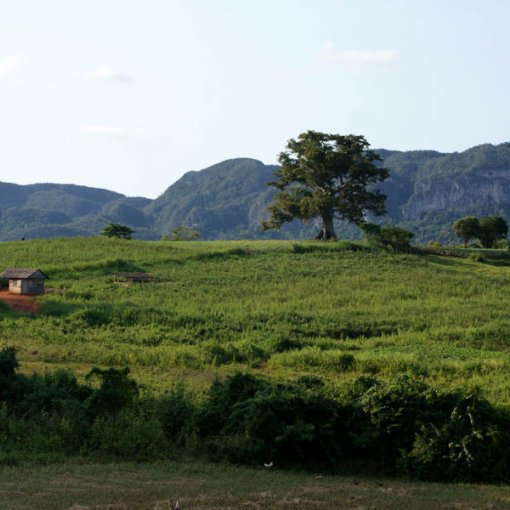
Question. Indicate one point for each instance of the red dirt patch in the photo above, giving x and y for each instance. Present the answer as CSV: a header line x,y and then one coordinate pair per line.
x,y
20,302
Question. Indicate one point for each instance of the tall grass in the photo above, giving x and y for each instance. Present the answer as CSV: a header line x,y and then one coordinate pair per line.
x,y
339,310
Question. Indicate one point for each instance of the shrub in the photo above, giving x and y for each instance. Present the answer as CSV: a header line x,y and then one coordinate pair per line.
x,y
468,441
288,423
385,416
177,412
116,391
130,434
476,257
396,238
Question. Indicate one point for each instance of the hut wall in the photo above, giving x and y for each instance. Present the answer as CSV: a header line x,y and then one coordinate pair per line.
x,y
35,286
15,286
30,286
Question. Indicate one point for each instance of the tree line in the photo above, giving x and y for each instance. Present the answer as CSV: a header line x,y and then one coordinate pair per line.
x,y
488,230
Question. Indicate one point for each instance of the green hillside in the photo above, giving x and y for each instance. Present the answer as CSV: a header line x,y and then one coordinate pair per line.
x,y
274,307
322,356
224,201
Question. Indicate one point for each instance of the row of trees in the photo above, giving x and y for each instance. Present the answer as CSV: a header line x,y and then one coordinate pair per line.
x,y
115,230
488,229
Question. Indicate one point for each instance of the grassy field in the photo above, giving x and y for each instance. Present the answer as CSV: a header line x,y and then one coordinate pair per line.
x,y
278,308
129,486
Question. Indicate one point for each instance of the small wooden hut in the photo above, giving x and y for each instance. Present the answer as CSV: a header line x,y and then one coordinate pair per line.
x,y
25,281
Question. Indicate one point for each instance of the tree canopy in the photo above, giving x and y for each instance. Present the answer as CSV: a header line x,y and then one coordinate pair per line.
x,y
184,233
326,176
487,229
492,229
467,228
117,230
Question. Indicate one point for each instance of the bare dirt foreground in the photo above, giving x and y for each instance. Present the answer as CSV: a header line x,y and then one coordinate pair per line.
x,y
127,486
20,302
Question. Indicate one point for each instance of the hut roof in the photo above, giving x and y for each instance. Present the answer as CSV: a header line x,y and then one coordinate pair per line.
x,y
18,273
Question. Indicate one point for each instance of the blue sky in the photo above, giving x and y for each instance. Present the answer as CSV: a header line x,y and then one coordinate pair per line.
x,y
130,94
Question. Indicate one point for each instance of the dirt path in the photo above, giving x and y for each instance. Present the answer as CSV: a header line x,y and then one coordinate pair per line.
x,y
22,303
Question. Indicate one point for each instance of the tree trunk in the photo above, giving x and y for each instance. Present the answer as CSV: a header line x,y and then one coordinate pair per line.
x,y
327,232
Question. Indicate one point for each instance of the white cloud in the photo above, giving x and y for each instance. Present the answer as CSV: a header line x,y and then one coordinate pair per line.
x,y
113,132
105,73
357,58
9,65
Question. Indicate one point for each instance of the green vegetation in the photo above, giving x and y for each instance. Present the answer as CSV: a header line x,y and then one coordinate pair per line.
x,y
467,228
184,233
307,343
403,426
489,230
492,229
118,231
396,238
327,177
223,306
426,192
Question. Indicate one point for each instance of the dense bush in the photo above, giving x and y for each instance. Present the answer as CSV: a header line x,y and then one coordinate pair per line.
x,y
396,238
401,425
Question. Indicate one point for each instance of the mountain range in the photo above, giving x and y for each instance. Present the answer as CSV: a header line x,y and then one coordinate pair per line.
x,y
426,192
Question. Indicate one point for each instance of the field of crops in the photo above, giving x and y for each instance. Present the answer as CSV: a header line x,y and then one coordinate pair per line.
x,y
280,308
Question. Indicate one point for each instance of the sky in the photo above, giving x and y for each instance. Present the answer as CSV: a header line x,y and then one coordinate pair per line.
x,y
129,95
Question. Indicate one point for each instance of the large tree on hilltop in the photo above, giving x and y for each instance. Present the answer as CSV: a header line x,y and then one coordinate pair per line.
x,y
329,177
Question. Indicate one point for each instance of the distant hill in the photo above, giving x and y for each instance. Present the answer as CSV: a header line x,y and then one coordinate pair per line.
x,y
62,210
224,201
426,191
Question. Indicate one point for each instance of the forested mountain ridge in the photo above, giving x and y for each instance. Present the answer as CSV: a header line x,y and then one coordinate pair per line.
x,y
426,191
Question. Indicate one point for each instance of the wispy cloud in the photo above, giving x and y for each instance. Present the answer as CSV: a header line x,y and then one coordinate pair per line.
x,y
357,58
106,73
113,132
9,65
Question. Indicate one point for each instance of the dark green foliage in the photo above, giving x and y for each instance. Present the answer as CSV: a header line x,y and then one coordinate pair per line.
x,y
9,383
328,177
130,434
118,231
489,230
397,238
116,391
467,228
386,415
465,440
8,363
183,233
251,421
222,396
401,425
178,415
492,229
